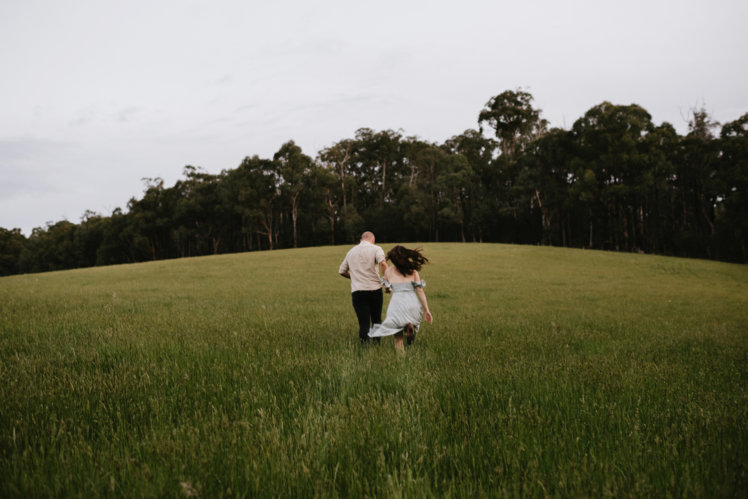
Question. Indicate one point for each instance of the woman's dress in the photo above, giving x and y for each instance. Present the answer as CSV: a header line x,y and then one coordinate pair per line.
x,y
404,309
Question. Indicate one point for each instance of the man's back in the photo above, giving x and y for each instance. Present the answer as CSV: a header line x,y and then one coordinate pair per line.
x,y
361,263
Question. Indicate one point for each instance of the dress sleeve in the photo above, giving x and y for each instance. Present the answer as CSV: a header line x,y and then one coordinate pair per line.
x,y
419,284
385,282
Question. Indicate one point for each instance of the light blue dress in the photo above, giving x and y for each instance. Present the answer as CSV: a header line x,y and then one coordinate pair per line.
x,y
404,309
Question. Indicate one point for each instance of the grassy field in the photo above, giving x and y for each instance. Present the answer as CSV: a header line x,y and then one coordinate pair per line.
x,y
546,372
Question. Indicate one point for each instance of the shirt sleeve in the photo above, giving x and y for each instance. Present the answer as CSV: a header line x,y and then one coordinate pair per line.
x,y
379,256
343,266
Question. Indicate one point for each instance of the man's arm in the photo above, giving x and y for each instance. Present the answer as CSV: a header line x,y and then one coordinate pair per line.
x,y
382,260
344,270
383,266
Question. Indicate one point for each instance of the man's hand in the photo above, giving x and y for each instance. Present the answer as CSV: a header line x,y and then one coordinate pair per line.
x,y
347,275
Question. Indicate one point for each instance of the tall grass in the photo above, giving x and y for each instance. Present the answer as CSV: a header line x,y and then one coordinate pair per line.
x,y
546,372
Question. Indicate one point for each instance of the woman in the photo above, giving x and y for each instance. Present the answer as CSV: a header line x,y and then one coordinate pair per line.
x,y
404,312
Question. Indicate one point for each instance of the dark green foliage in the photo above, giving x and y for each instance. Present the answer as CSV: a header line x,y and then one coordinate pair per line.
x,y
12,248
615,181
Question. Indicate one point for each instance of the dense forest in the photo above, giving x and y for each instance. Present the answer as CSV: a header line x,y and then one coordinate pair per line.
x,y
614,181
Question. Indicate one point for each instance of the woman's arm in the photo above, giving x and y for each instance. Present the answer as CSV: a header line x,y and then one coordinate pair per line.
x,y
426,313
422,296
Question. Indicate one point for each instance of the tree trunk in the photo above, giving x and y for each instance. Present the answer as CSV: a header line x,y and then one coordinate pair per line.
x,y
267,223
563,217
331,216
545,220
294,203
708,219
341,166
384,175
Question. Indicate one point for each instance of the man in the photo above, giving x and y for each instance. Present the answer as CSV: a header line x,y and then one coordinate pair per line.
x,y
360,266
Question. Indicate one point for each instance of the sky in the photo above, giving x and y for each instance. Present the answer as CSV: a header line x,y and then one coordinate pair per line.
x,y
96,95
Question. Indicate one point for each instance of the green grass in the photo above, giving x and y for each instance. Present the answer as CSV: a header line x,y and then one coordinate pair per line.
x,y
546,372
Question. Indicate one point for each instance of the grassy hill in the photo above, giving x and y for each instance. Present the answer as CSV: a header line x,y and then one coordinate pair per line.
x,y
547,371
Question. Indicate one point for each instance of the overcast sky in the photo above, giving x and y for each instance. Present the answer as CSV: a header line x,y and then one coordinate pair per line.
x,y
97,94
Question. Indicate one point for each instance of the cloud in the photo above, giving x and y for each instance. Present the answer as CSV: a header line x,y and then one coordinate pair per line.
x,y
15,149
223,80
27,165
126,114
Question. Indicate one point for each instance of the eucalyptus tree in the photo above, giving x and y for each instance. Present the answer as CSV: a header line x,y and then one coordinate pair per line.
x,y
515,124
423,194
12,246
325,197
697,167
481,202
733,200
294,168
337,158
658,186
453,182
514,121
88,238
377,162
611,158
255,196
153,217
199,218
121,241
542,184
238,195
53,247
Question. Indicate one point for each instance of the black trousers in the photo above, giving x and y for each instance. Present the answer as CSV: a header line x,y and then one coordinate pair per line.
x,y
368,307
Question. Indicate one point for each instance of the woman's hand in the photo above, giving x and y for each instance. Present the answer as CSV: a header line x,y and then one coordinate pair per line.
x,y
429,318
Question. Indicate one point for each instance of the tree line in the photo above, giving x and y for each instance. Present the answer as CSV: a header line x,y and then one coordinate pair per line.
x,y
614,181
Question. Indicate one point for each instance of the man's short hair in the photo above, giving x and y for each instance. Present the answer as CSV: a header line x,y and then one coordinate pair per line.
x,y
367,235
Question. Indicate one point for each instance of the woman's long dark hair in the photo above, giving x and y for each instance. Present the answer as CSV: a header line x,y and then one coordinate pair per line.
x,y
406,260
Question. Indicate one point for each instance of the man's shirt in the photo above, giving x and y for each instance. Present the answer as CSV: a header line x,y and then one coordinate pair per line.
x,y
361,263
